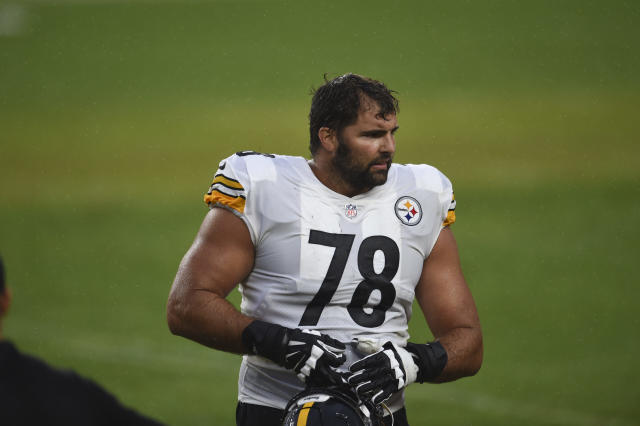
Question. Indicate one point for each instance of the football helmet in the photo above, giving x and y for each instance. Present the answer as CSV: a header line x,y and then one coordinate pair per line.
x,y
332,406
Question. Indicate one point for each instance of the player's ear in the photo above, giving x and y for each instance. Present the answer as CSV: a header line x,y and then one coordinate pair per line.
x,y
328,139
5,301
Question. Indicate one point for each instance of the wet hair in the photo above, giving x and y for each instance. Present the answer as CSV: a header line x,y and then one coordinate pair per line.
x,y
337,102
1,276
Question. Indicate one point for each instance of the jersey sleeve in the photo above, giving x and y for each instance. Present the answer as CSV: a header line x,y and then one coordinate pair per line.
x,y
227,189
447,202
230,189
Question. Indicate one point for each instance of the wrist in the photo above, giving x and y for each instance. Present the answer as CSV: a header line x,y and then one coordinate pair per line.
x,y
409,365
267,340
431,358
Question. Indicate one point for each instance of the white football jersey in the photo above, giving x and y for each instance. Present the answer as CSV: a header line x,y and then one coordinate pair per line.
x,y
345,266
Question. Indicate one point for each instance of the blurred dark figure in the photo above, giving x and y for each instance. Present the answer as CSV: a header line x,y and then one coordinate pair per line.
x,y
33,393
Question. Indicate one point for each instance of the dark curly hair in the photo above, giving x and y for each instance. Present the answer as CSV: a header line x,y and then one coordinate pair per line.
x,y
337,102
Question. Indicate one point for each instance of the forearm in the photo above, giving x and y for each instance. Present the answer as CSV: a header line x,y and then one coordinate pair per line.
x,y
464,353
207,318
450,311
221,257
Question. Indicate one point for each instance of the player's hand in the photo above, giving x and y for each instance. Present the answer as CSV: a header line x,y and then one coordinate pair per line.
x,y
377,376
312,355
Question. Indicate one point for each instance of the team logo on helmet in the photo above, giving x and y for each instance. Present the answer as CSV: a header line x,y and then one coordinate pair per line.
x,y
351,210
331,406
408,210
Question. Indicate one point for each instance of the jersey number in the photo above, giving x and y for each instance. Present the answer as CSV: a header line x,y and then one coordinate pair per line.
x,y
372,280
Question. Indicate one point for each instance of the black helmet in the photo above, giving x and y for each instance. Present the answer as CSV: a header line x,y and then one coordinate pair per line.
x,y
329,407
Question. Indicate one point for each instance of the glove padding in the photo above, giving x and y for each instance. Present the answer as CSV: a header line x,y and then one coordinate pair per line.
x,y
312,355
309,353
377,376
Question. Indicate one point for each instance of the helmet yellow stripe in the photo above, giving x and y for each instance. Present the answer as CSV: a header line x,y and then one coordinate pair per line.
x,y
304,413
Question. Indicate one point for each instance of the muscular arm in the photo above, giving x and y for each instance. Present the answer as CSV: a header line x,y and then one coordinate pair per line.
x,y
221,256
449,309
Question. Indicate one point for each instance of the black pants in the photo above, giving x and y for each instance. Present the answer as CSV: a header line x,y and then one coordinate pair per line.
x,y
259,415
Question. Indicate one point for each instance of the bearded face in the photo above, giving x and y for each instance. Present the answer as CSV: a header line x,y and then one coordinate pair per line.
x,y
360,172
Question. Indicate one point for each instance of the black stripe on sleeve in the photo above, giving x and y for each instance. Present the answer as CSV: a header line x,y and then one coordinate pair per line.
x,y
227,186
226,177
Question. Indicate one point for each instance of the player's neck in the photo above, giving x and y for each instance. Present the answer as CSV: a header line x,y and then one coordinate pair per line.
x,y
332,180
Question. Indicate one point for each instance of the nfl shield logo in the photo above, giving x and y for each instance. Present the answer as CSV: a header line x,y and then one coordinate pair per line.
x,y
351,210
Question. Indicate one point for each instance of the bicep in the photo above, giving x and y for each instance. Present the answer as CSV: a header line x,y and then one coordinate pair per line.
x,y
442,291
221,256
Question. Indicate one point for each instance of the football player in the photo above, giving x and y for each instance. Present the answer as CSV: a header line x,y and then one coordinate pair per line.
x,y
329,254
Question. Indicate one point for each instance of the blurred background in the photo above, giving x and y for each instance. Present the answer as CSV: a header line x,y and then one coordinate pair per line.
x,y
114,115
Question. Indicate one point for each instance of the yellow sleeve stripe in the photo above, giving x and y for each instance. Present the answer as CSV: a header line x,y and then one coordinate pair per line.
x,y
304,414
451,217
228,182
236,203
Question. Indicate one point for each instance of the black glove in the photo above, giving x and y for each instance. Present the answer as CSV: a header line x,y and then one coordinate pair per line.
x,y
380,375
377,376
307,352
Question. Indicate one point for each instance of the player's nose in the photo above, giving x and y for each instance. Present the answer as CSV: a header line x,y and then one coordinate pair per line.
x,y
388,144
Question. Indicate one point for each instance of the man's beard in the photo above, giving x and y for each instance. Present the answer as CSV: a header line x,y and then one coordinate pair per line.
x,y
359,176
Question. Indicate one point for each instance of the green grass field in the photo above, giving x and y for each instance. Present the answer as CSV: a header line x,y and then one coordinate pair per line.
x,y
114,115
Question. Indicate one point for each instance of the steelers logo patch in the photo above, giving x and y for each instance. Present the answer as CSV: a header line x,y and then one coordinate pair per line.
x,y
408,210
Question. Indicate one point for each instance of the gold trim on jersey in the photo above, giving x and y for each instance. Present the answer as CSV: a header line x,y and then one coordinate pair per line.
x,y
304,414
451,214
236,203
451,217
228,182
